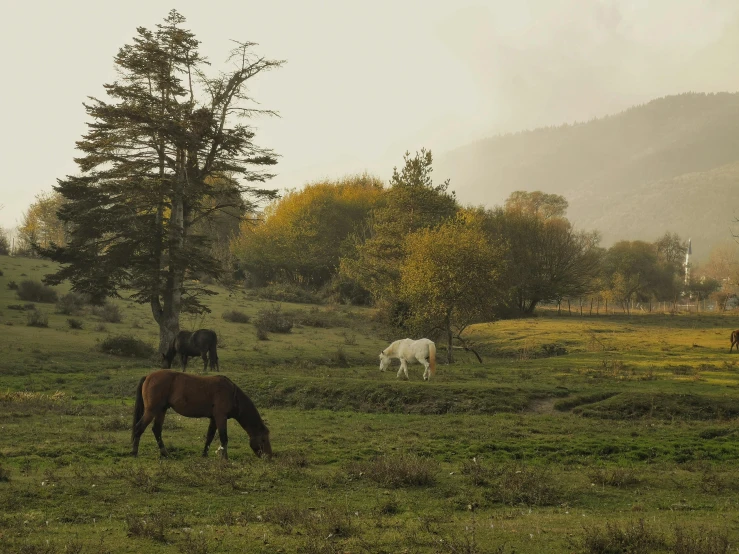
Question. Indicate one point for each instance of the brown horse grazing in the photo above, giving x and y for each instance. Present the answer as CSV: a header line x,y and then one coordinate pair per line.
x,y
734,340
202,342
215,397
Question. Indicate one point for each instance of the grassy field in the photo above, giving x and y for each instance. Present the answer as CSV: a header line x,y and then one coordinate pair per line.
x,y
593,434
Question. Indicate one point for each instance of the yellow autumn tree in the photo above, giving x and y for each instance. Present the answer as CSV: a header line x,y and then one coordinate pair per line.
x,y
450,277
40,223
300,236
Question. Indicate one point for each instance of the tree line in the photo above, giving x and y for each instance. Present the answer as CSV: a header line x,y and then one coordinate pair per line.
x,y
165,202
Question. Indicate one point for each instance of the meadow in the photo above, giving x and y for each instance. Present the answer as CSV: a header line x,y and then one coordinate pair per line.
x,y
576,434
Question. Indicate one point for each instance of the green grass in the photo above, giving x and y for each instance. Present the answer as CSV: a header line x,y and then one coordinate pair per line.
x,y
628,441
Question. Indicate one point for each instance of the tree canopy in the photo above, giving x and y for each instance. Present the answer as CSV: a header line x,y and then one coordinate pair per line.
x,y
412,202
300,237
450,277
169,149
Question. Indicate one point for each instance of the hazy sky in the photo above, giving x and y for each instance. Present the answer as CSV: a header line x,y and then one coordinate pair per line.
x,y
365,81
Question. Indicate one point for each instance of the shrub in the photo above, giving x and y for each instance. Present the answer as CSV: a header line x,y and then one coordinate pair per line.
x,y
74,323
262,334
12,285
530,486
634,537
72,303
21,307
154,526
37,319
235,316
4,474
615,477
273,320
34,291
339,357
108,312
703,541
286,292
1,271
397,470
128,346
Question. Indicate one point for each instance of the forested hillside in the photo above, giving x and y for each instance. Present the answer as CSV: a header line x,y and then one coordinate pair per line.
x,y
667,164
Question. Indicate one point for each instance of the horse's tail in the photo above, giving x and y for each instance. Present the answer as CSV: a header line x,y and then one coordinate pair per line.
x,y
432,358
138,408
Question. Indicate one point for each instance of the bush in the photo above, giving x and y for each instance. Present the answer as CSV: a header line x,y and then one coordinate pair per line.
x,y
615,477
1,271
72,303
37,319
128,346
235,316
273,320
12,285
702,541
527,485
397,470
338,358
34,291
635,537
108,312
262,334
286,292
74,323
21,307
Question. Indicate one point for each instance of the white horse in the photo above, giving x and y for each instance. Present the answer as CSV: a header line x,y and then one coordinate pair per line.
x,y
407,350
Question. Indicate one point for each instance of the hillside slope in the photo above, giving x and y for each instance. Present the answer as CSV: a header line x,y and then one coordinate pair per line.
x,y
665,165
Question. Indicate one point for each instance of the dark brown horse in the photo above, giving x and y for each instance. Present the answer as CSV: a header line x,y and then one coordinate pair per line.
x,y
734,340
202,342
215,397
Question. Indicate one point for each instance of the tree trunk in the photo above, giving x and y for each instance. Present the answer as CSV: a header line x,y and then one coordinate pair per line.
x,y
169,320
449,337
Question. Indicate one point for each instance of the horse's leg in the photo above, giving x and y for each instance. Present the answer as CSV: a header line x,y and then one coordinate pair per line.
x,y
209,437
404,368
157,429
141,426
205,361
223,436
427,371
400,369
183,362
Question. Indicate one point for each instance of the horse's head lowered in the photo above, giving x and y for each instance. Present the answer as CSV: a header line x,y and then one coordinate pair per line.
x,y
260,444
384,361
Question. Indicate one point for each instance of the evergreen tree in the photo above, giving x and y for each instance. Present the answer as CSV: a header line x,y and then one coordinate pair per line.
x,y
161,156
411,203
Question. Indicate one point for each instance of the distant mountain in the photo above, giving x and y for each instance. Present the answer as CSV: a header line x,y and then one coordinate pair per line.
x,y
671,164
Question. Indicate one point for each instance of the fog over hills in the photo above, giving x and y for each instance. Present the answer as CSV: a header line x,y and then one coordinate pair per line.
x,y
671,164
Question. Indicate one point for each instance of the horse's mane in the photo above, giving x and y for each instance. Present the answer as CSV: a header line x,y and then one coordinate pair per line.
x,y
248,415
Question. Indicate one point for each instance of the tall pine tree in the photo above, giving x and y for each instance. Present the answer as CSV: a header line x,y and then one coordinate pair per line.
x,y
164,153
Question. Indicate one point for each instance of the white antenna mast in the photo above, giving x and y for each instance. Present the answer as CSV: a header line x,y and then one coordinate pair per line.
x,y
687,263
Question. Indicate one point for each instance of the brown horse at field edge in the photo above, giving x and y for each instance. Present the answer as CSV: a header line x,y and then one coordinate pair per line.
x,y
734,340
215,397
